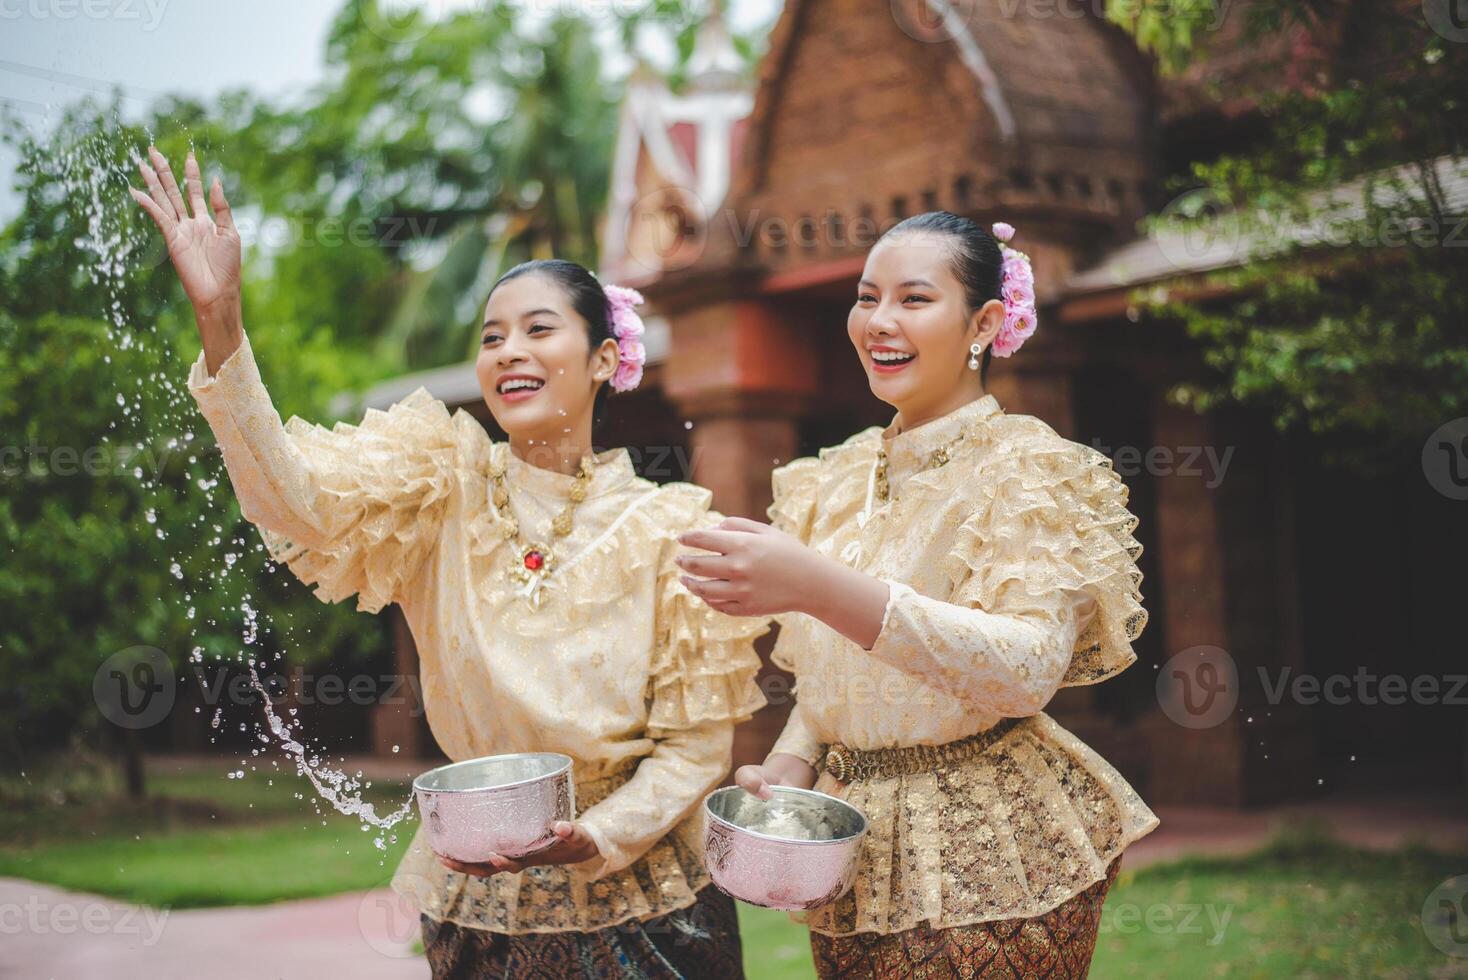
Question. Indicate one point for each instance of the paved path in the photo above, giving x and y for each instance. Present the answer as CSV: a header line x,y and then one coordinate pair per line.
x,y
49,933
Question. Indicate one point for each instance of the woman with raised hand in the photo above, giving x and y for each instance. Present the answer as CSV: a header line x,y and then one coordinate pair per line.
x,y
937,581
538,579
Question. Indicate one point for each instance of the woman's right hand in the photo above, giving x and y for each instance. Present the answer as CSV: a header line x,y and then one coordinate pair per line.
x,y
205,250
779,769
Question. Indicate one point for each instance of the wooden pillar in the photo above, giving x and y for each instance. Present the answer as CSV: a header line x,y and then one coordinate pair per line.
x,y
400,721
733,455
1229,586
745,375
1041,388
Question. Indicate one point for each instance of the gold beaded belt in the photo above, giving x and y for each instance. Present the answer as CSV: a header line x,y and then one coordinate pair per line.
x,y
590,792
847,764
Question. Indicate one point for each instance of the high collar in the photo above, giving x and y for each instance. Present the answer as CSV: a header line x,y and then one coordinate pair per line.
x,y
910,450
613,471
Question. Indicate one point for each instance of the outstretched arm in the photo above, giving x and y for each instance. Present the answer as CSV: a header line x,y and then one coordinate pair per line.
x,y
353,510
1008,661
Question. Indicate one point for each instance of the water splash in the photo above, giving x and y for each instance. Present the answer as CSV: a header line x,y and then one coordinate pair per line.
x,y
94,174
343,792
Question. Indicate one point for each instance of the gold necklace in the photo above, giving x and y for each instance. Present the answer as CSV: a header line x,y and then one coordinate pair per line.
x,y
939,457
533,561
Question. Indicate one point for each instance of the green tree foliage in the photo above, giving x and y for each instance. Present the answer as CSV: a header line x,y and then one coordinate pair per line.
x,y
1347,317
375,210
117,526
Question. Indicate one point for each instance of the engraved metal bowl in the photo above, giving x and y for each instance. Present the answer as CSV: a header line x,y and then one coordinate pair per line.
x,y
795,851
500,804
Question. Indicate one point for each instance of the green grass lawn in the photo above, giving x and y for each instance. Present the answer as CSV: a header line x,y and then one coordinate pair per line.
x,y
1303,907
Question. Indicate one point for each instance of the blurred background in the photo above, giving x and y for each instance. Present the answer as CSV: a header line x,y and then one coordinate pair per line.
x,y
1249,226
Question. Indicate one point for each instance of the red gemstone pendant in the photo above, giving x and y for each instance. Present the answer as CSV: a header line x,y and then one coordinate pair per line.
x,y
534,561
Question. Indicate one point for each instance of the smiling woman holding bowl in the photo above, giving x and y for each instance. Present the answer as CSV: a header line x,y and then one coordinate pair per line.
x,y
538,579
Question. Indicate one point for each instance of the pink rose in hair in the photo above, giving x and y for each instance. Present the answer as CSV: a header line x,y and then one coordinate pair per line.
x,y
627,327
1017,289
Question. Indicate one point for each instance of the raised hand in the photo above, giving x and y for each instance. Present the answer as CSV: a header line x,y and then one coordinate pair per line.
x,y
204,249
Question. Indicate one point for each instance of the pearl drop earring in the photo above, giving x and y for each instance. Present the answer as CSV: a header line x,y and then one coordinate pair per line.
x,y
973,356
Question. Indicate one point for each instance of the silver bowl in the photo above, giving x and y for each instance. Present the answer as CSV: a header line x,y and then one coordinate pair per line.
x,y
795,851
500,804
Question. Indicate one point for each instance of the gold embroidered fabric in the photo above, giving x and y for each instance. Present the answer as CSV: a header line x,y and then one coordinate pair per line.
x,y
1012,573
620,664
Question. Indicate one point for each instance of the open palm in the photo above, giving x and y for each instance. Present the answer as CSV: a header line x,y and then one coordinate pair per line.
x,y
205,250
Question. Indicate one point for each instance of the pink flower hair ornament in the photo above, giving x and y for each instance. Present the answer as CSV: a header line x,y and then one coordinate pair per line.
x,y
627,328
1017,289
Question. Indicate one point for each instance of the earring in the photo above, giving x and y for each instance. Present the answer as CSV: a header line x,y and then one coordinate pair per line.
x,y
973,356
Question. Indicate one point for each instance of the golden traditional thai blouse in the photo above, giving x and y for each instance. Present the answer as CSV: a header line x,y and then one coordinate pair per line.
x,y
620,667
1012,573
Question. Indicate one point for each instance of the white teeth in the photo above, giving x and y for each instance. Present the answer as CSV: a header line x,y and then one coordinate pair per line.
x,y
890,357
515,384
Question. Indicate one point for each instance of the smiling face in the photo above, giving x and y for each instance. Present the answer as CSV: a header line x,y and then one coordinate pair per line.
x,y
912,327
536,369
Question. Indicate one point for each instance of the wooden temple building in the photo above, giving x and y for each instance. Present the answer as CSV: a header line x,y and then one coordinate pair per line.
x,y
743,209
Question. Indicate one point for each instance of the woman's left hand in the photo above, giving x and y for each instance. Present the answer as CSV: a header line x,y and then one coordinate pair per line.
x,y
575,845
757,570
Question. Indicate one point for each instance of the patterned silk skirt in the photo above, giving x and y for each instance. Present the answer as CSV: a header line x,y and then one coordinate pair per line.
x,y
1056,946
700,941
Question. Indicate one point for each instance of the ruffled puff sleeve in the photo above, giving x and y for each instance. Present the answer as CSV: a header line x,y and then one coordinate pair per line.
x,y
701,682
352,510
704,663
1045,589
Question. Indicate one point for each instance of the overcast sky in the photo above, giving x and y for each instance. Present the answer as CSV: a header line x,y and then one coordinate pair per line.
x,y
55,51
